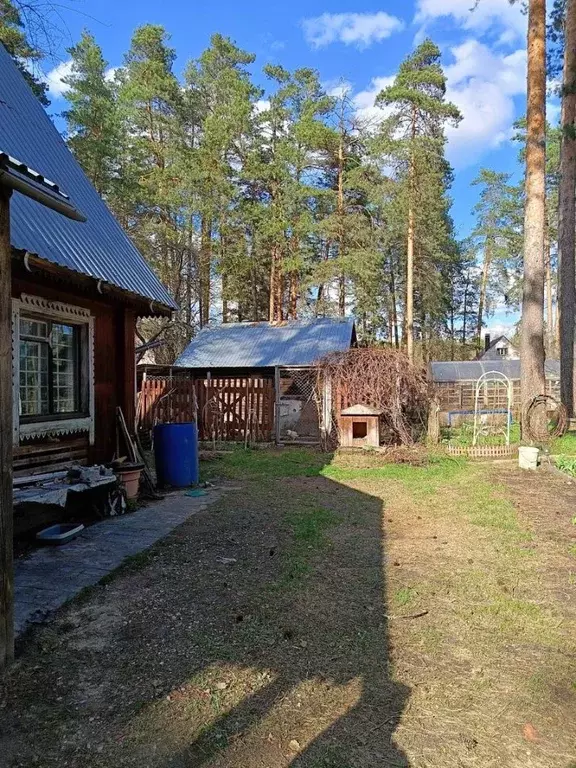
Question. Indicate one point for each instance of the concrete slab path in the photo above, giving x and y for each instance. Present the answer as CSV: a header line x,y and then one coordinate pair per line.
x,y
49,576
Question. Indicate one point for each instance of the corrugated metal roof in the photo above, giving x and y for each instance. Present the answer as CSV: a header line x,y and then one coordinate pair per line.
x,y
471,370
99,247
263,345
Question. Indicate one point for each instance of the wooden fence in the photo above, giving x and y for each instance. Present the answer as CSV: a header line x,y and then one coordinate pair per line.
x,y
225,407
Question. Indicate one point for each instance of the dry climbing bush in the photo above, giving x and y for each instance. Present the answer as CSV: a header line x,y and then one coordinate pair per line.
x,y
382,378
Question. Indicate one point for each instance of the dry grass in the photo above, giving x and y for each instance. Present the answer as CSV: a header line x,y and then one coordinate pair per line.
x,y
286,658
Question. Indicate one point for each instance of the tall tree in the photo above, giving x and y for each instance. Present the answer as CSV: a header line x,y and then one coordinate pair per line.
x,y
419,115
92,117
491,236
532,322
567,211
24,52
220,98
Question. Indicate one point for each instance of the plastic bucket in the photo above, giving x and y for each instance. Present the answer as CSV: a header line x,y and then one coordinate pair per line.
x,y
176,454
528,457
130,479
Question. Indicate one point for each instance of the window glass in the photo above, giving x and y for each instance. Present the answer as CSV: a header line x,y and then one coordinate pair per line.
x,y
36,328
34,367
64,380
49,368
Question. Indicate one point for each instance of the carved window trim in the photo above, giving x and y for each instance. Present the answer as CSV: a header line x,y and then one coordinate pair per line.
x,y
53,310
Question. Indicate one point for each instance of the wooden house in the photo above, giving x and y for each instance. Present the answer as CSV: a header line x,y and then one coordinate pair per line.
x,y
77,291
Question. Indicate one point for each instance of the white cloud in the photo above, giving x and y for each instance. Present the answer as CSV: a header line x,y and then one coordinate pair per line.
x,y
262,105
56,87
364,100
337,89
483,85
496,329
110,74
360,29
479,17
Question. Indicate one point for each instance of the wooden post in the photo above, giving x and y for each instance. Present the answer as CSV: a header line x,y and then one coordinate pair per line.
x,y
6,516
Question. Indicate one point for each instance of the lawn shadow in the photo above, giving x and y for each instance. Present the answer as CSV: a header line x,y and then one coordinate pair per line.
x,y
332,643
254,636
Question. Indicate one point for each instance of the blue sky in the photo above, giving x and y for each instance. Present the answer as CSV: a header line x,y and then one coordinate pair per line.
x,y
483,55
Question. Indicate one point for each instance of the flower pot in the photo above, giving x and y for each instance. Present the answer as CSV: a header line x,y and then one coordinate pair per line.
x,y
129,476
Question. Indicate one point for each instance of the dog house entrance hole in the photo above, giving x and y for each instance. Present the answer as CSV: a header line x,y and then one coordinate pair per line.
x,y
359,430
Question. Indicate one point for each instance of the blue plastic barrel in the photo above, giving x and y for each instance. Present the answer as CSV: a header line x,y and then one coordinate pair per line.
x,y
176,454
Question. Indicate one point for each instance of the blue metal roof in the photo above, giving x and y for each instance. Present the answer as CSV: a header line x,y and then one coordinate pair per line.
x,y
471,370
99,247
265,345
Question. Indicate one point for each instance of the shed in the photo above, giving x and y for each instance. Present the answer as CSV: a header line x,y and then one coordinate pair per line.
x,y
258,371
360,426
77,290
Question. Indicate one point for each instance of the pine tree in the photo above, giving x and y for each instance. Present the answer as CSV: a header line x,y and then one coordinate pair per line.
x,y
492,235
92,117
532,322
16,42
567,211
419,116
153,193
219,98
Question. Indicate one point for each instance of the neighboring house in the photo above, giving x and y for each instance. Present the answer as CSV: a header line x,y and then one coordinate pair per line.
x,y
77,288
264,369
499,349
455,383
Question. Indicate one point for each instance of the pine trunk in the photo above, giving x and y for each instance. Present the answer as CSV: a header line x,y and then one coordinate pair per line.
x,y
483,290
532,332
410,286
293,296
566,214
276,287
205,269
341,228
549,304
410,249
394,310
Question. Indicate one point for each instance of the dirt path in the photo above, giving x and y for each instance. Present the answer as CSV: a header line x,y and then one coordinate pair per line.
x,y
269,631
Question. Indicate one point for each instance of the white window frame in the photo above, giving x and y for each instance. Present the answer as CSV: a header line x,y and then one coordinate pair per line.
x,y
51,310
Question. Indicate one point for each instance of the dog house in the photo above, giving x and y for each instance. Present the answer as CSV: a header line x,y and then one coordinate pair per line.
x,y
360,426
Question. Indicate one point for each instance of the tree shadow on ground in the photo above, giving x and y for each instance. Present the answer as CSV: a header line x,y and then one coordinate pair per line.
x,y
278,589
331,648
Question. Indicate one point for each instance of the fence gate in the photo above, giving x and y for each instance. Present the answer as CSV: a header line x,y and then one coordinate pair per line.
x,y
297,406
239,409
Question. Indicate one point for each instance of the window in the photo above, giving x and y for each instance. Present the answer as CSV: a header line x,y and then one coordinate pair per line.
x,y
502,351
49,368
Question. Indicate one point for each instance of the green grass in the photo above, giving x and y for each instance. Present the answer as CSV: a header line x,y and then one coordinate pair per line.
x,y
567,464
404,596
240,464
439,468
308,527
463,435
565,444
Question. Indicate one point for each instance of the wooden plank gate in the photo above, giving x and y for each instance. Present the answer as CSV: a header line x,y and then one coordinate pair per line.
x,y
235,409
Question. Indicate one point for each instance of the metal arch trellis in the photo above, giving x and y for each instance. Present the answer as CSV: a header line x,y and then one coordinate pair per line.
x,y
492,377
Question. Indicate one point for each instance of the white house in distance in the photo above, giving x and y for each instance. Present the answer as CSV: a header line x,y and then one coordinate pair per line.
x,y
499,349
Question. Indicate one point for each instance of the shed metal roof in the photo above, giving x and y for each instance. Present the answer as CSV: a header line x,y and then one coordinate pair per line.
x,y
265,345
471,370
98,247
